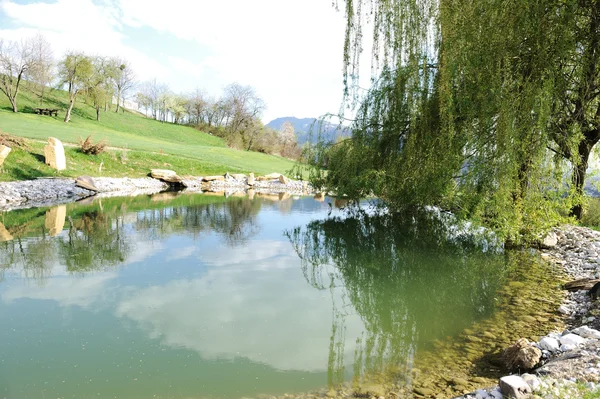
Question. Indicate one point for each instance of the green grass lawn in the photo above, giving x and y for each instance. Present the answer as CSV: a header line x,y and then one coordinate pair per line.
x,y
152,142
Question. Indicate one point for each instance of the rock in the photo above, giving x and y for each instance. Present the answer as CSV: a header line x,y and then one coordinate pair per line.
x,y
55,220
481,394
4,151
283,179
594,292
165,175
549,344
580,284
534,382
270,176
513,386
424,391
251,179
521,356
319,197
571,339
239,176
86,182
495,394
586,332
550,241
54,152
213,178
564,310
4,234
370,391
567,347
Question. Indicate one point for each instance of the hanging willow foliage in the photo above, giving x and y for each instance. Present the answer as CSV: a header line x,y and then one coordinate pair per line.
x,y
476,106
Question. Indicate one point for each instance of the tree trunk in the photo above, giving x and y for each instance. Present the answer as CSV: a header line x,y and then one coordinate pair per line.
x,y
579,172
13,103
97,114
118,100
68,114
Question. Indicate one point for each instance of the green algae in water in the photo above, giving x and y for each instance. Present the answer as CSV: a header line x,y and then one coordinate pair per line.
x,y
207,297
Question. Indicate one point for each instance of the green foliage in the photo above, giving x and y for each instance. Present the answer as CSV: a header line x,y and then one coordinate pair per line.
x,y
476,109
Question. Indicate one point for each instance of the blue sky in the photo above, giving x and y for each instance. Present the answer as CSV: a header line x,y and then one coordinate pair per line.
x,y
290,51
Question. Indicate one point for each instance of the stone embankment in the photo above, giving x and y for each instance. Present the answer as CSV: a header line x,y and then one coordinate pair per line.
x,y
52,191
567,363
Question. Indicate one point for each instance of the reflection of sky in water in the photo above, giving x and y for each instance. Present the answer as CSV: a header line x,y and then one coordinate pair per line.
x,y
186,312
177,292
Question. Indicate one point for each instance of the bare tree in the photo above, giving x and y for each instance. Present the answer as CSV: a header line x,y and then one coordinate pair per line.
x,y
243,106
15,60
124,80
287,137
41,72
76,71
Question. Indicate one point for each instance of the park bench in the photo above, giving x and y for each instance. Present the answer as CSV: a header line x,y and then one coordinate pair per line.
x,y
46,111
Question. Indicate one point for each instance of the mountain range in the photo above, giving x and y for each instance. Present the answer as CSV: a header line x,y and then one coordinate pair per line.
x,y
303,126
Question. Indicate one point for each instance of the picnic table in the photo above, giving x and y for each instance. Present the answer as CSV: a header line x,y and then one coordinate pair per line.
x,y
46,111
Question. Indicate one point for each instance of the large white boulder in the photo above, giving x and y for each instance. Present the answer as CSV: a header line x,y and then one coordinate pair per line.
x,y
54,152
513,386
4,151
571,339
586,332
549,344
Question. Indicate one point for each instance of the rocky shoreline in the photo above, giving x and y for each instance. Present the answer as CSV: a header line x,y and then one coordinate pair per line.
x,y
55,191
569,365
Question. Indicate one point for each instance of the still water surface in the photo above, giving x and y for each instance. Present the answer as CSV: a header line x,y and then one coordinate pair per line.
x,y
208,297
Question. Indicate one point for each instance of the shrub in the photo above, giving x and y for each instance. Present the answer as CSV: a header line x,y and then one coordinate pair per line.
x,y
12,141
89,148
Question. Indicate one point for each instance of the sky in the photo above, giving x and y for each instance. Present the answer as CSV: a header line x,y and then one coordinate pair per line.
x,y
290,51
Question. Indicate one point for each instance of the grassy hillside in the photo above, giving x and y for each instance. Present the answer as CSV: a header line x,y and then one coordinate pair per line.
x,y
198,152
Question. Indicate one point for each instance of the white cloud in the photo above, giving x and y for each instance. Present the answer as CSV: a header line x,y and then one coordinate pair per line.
x,y
78,25
290,51
259,315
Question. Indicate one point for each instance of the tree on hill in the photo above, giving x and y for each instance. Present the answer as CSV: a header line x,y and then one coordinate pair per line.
x,y
100,84
124,80
41,72
16,59
75,70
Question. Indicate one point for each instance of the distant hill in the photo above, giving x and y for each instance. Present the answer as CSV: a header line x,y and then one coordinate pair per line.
x,y
302,127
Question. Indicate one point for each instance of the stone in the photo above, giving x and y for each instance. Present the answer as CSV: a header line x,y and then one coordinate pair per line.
x,y
239,176
319,197
165,175
567,347
86,182
213,178
586,332
521,356
270,176
55,220
4,151
283,179
481,394
4,234
370,391
496,394
251,179
564,310
54,152
549,344
571,339
424,391
550,241
534,382
513,386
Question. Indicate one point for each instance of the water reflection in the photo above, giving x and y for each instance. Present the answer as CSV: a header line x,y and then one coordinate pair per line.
x,y
180,293
410,278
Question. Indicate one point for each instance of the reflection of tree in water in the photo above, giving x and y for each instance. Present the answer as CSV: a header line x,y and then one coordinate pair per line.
x,y
33,256
408,277
94,241
234,220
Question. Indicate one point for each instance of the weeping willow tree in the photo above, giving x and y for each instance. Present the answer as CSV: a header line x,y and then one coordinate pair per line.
x,y
480,107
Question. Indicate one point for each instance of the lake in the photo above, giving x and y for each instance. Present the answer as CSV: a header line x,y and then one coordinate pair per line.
x,y
199,296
